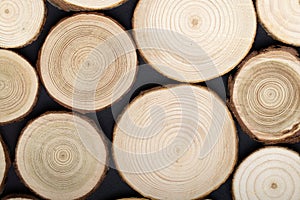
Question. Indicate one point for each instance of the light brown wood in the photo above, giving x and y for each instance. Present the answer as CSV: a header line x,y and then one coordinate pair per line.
x,y
264,95
18,86
61,156
194,40
88,62
269,173
281,18
21,22
83,5
4,164
19,197
178,142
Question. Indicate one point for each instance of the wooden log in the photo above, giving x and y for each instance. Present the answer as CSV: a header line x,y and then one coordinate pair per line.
x,y
264,95
178,142
18,87
85,5
19,197
269,173
4,164
61,156
194,41
281,19
87,62
21,22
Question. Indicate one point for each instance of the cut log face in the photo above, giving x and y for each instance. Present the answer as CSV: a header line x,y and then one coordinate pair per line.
x,y
194,41
4,164
20,21
18,86
281,19
265,96
61,156
19,197
87,62
269,173
178,142
84,5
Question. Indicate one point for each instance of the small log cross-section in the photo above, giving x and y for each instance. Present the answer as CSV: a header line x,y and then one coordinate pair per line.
x,y
87,62
281,18
178,142
21,22
85,5
4,164
265,95
18,86
61,156
269,173
192,40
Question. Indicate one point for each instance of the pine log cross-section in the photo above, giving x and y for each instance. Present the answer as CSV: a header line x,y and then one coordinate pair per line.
x,y
264,95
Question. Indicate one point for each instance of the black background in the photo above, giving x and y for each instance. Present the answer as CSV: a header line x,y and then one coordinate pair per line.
x,y
113,187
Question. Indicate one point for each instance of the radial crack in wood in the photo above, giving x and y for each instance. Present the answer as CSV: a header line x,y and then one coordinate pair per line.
x,y
18,86
88,62
269,173
194,41
281,19
265,95
21,22
61,156
178,142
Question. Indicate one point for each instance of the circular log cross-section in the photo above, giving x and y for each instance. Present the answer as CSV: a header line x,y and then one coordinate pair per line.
x,y
88,62
4,164
83,5
194,41
265,96
61,156
269,173
20,21
281,19
18,86
178,142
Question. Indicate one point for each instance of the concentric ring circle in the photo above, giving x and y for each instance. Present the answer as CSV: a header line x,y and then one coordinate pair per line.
x,y
281,19
194,40
159,141
82,5
18,86
264,95
269,173
20,21
88,62
61,156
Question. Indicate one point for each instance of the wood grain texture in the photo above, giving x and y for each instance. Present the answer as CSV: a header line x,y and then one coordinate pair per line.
x,y
281,19
267,174
4,164
61,156
194,40
18,86
160,138
21,22
264,95
88,62
85,5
